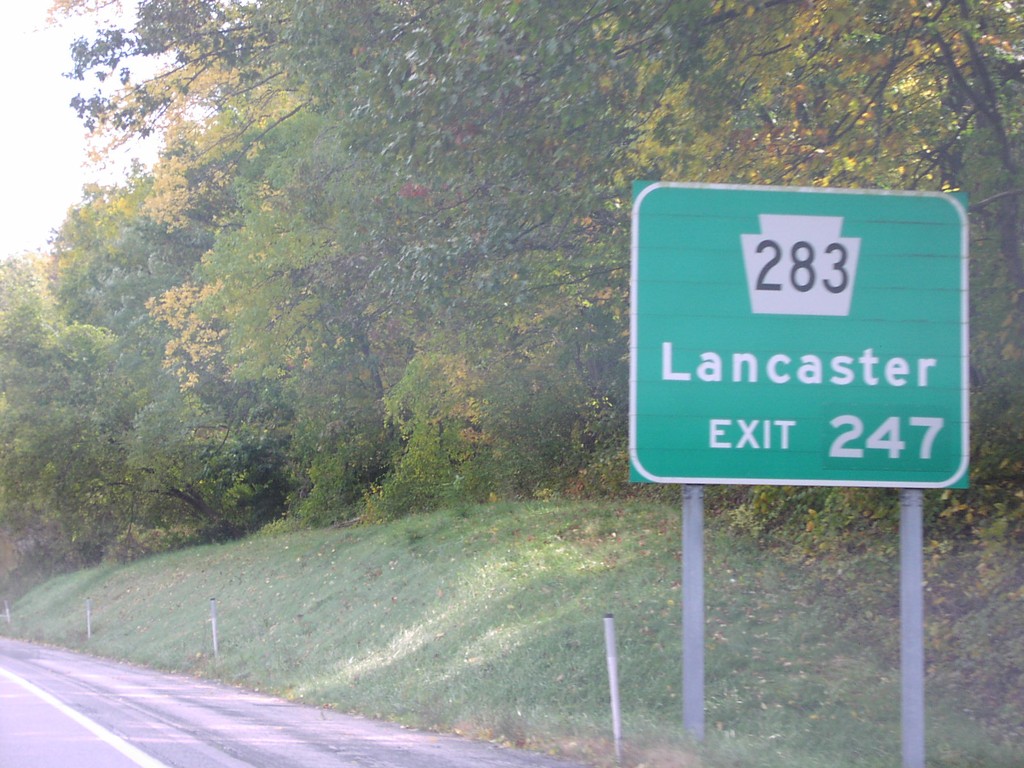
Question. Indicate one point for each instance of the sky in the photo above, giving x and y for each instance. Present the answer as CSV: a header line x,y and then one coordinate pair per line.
x,y
45,151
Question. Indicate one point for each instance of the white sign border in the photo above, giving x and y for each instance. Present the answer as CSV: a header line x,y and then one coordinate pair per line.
x,y
961,212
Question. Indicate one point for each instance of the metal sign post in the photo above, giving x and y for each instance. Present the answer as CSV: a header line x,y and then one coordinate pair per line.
x,y
912,627
693,610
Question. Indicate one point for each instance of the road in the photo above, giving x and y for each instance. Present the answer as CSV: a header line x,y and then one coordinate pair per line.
x,y
64,710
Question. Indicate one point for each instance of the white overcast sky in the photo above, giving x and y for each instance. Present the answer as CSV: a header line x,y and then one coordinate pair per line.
x,y
44,145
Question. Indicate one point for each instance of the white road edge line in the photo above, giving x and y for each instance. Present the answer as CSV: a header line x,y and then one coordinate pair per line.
x,y
134,754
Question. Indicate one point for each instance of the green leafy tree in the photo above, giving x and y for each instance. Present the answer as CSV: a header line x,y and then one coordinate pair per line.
x,y
60,417
387,183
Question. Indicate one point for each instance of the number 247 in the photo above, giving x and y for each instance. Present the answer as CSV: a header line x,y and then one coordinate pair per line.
x,y
887,437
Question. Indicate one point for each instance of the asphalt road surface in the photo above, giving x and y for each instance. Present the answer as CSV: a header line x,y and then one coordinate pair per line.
x,y
65,710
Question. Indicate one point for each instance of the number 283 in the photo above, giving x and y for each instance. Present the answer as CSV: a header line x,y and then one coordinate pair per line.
x,y
801,268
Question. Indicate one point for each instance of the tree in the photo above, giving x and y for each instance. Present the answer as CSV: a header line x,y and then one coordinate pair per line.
x,y
193,460
396,195
59,421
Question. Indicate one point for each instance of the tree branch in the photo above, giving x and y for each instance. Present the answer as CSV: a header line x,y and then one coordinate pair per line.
x,y
981,204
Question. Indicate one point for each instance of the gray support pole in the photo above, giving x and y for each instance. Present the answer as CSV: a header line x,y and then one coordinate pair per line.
x,y
213,623
912,626
613,682
7,611
693,610
88,618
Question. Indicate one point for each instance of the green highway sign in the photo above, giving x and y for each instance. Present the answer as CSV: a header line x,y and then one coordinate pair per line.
x,y
798,336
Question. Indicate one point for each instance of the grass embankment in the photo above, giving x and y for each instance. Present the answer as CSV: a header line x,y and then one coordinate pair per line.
x,y
488,621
